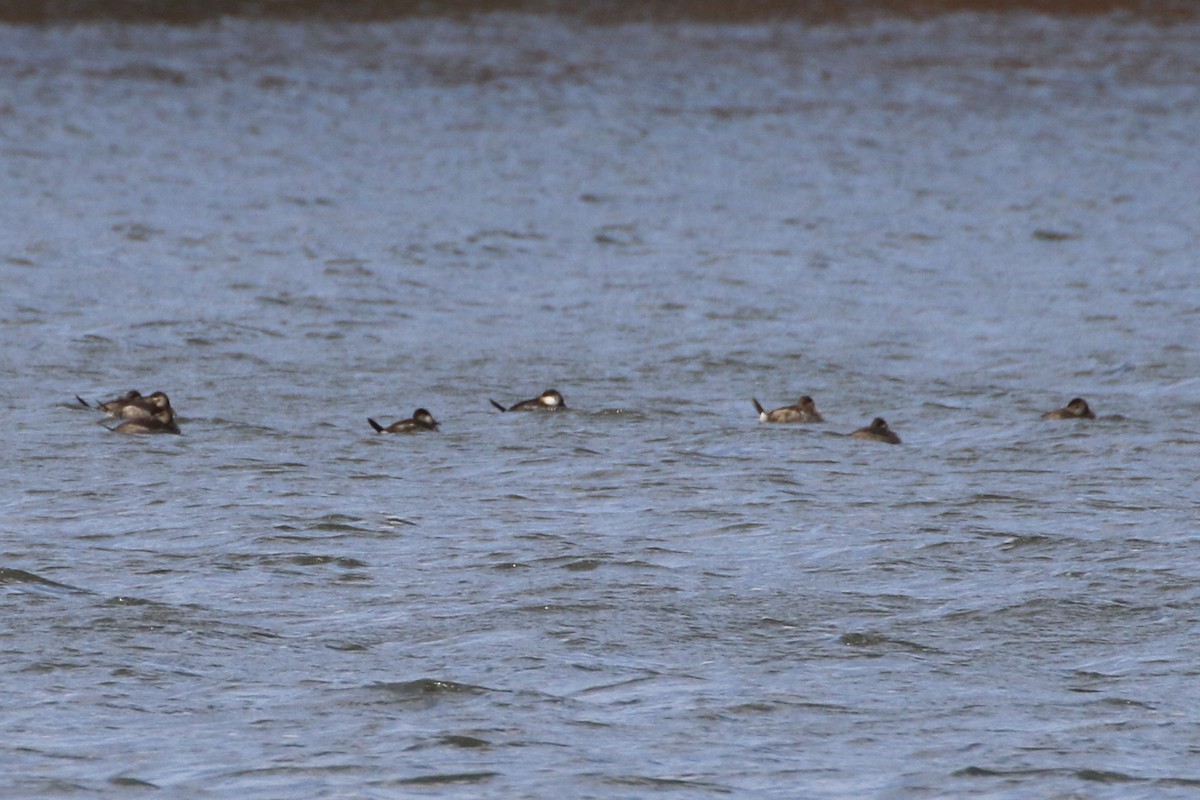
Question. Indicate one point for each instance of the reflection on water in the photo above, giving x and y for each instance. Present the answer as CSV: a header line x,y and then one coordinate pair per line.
x,y
956,223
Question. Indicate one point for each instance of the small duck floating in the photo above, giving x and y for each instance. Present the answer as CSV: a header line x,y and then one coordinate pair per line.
x,y
421,420
548,400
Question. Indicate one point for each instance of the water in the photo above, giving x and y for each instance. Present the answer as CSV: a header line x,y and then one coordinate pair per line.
x,y
956,224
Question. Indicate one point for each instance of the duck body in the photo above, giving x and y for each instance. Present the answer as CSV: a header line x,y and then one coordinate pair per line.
x,y
162,421
805,410
111,407
421,420
131,405
144,407
877,431
1076,409
549,400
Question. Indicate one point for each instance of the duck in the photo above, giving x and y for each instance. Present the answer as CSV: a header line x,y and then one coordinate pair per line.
x,y
877,431
421,420
805,410
162,421
548,400
132,405
1076,409
110,407
144,407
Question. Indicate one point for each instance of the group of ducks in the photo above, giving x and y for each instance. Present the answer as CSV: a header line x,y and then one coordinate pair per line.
x,y
151,414
422,420
805,410
154,414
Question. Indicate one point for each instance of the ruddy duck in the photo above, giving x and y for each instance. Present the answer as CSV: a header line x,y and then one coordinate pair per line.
x,y
132,405
1076,409
421,420
145,407
112,406
160,422
805,410
548,400
877,431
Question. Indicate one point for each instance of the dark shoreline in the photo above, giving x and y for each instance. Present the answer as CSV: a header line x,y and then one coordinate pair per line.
x,y
602,11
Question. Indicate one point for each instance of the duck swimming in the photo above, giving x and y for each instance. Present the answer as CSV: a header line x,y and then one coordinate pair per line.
x,y
805,410
162,421
877,431
421,420
132,405
110,407
145,407
1076,409
548,400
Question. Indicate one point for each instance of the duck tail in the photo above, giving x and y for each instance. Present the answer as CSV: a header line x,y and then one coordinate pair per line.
x,y
378,428
497,405
757,406
83,402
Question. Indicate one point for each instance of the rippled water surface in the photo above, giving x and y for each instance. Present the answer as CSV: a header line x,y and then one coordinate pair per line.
x,y
955,224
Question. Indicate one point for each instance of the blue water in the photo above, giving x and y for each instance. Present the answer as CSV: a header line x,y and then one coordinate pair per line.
x,y
955,224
